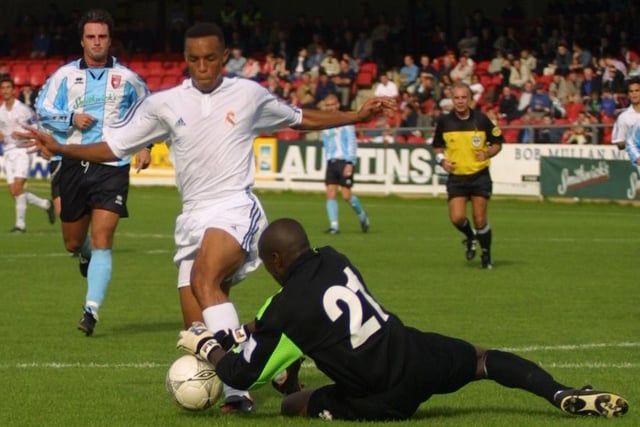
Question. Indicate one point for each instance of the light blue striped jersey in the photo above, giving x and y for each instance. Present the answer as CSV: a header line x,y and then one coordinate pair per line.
x,y
104,93
340,143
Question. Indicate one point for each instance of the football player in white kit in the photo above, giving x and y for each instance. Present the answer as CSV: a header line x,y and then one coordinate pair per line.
x,y
13,115
630,117
210,122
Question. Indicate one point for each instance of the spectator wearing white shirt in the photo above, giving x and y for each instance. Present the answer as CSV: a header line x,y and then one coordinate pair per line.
x,y
386,87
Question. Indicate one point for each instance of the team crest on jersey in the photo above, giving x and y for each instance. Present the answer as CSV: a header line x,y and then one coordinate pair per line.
x,y
496,131
230,118
116,79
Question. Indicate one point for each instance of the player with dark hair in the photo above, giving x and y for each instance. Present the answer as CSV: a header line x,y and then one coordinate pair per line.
x,y
210,123
76,104
17,160
464,143
629,119
340,149
382,369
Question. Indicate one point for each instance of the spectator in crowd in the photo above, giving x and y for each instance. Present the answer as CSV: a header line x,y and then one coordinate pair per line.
x,y
519,74
613,79
425,90
580,132
300,64
563,57
41,43
540,102
559,86
581,56
634,67
344,81
280,69
526,133
273,86
548,132
306,86
590,83
330,63
508,105
529,61
507,41
235,64
495,65
468,43
445,104
315,59
573,85
363,47
477,90
408,73
324,87
386,86
4,70
463,70
525,98
607,103
426,66
251,69
28,95
558,111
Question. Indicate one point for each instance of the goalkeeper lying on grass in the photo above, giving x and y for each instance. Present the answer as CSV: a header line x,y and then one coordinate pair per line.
x,y
382,369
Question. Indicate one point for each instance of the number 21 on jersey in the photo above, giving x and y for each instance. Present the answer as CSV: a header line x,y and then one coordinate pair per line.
x,y
354,295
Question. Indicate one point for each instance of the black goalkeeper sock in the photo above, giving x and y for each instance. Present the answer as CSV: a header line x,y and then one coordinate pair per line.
x,y
465,228
513,371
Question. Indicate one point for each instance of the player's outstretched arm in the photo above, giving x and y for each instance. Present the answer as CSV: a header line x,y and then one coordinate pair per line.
x,y
313,119
48,146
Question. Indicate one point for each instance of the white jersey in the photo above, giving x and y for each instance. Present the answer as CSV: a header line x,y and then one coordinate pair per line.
x,y
12,121
626,121
210,135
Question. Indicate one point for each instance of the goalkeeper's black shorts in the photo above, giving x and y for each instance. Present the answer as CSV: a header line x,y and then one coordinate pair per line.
x,y
435,364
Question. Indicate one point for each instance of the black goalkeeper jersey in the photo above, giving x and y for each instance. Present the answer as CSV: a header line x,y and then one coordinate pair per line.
x,y
325,312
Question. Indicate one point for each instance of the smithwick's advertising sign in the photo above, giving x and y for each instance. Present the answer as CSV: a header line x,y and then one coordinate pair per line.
x,y
588,178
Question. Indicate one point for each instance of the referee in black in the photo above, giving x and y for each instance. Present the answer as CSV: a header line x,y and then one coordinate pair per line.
x,y
465,140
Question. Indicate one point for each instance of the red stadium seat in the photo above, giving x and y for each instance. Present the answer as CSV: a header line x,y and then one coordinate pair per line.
x,y
20,76
370,67
37,78
364,79
289,135
154,83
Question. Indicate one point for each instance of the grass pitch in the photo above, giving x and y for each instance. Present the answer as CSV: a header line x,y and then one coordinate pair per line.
x,y
563,293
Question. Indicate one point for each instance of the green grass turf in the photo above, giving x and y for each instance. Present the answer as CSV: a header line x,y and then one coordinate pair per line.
x,y
563,293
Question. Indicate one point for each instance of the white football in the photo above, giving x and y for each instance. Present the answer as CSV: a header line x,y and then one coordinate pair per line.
x,y
192,383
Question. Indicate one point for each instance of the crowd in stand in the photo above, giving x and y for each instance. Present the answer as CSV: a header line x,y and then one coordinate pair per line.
x,y
528,74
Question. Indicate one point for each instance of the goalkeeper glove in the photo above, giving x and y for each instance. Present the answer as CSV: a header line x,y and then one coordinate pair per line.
x,y
229,338
197,340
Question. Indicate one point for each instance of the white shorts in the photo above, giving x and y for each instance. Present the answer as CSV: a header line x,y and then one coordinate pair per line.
x,y
240,215
16,164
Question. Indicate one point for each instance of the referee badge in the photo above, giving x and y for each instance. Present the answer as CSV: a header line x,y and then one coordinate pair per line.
x,y
476,141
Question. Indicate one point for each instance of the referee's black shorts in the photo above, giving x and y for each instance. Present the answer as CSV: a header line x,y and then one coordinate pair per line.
x,y
434,364
477,184
85,186
335,174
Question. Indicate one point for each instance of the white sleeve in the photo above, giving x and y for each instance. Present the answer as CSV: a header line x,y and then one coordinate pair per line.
x,y
273,113
140,127
619,132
